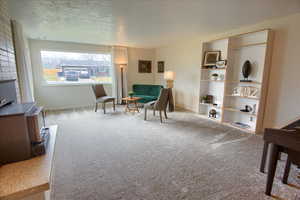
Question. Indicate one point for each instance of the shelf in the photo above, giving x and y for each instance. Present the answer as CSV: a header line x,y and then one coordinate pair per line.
x,y
212,69
213,80
252,82
244,97
249,45
237,110
232,93
210,104
239,128
209,118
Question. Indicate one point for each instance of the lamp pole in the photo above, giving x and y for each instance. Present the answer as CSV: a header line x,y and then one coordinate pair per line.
x,y
169,76
122,90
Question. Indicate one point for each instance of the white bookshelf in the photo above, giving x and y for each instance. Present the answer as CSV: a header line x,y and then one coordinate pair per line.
x,y
255,47
213,87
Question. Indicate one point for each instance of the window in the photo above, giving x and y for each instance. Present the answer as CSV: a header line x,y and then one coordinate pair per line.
x,y
70,67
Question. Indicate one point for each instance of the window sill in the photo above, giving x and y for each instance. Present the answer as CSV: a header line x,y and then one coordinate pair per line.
x,y
71,84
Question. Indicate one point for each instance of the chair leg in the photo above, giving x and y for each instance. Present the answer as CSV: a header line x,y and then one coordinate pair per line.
x,y
272,168
96,107
160,116
145,114
104,110
286,171
264,157
114,104
153,111
165,111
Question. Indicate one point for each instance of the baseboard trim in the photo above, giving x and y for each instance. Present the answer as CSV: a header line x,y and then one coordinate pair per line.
x,y
68,108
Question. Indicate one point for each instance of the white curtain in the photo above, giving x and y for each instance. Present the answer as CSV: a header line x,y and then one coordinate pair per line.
x,y
120,60
23,63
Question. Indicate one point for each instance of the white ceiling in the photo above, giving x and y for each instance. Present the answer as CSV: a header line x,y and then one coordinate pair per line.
x,y
140,23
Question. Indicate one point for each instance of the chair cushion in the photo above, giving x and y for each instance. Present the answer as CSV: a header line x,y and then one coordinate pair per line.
x,y
150,104
105,99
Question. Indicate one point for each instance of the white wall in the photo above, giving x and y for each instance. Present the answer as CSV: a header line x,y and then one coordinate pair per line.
x,y
284,94
134,77
71,96
184,59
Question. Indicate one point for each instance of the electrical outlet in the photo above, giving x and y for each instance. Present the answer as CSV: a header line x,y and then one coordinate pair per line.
x,y
251,119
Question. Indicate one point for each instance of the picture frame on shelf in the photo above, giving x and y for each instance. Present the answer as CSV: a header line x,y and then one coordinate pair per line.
x,y
211,58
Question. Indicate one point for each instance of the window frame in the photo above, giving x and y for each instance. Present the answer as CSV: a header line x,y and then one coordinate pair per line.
x,y
66,84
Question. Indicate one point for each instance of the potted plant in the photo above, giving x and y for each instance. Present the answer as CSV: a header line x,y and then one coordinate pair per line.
x,y
203,99
207,99
130,94
214,76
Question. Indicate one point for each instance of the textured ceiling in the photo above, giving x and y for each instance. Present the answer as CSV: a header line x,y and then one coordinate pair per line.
x,y
140,23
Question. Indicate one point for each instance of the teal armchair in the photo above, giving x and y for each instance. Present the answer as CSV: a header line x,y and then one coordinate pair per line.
x,y
146,92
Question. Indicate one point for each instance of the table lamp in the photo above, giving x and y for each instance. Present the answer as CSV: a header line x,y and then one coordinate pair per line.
x,y
169,76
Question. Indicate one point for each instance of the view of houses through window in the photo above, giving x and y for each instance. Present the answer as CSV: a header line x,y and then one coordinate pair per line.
x,y
71,67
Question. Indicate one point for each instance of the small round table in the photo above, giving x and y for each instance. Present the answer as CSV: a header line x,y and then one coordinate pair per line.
x,y
131,104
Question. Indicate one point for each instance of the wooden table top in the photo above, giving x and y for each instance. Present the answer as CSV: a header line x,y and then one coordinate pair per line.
x,y
131,98
28,177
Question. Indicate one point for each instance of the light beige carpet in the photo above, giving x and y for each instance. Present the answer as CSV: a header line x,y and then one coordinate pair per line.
x,y
120,156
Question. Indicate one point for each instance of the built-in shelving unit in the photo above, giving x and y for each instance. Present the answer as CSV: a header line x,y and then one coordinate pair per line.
x,y
214,80
216,69
243,97
210,86
249,45
230,94
210,104
248,83
239,111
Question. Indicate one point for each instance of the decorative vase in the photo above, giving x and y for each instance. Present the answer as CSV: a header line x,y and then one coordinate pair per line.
x,y
246,71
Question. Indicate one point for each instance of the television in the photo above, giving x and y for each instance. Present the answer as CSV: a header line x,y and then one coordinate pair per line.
x,y
8,92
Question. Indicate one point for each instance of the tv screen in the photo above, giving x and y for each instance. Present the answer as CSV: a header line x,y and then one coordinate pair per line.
x,y
8,90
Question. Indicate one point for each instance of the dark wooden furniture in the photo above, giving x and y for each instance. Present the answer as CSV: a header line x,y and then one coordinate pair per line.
x,y
292,126
280,140
20,132
101,97
29,179
131,104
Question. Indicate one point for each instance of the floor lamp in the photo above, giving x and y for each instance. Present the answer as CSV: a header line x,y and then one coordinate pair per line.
x,y
169,76
122,82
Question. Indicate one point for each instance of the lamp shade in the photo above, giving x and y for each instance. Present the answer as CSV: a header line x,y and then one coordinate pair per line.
x,y
169,75
120,55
